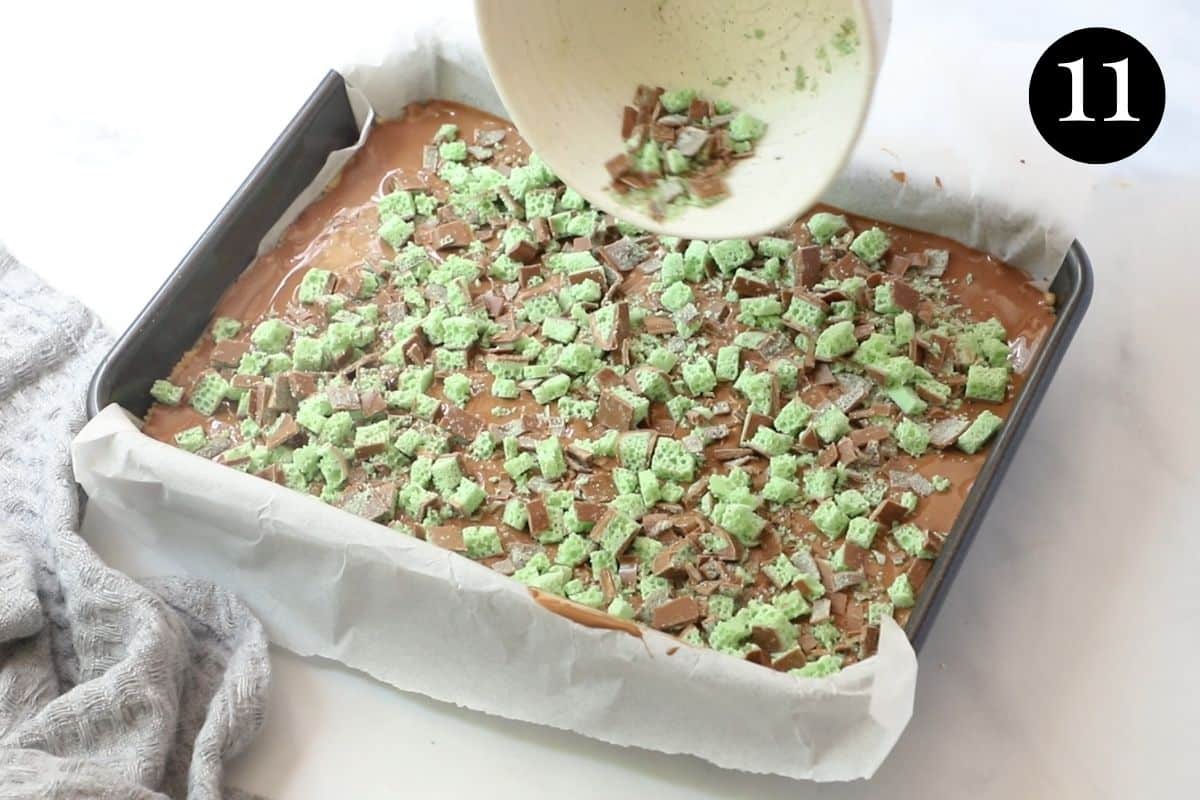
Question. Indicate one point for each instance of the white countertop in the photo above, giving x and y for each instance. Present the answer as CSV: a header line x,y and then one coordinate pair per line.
x,y
1061,662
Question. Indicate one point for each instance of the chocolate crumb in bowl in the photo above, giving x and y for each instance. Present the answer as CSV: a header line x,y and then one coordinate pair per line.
x,y
755,446
677,148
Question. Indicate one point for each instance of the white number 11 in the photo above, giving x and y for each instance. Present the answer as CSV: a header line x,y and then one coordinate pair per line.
x,y
1121,69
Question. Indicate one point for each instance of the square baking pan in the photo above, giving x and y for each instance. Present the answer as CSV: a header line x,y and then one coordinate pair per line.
x,y
180,311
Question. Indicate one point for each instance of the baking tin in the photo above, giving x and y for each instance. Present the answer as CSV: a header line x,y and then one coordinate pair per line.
x,y
179,312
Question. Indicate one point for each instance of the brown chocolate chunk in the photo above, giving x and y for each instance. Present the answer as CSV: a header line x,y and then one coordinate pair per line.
x,y
905,296
281,394
747,285
620,165
607,377
342,397
272,473
614,412
675,614
302,384
456,233
415,348
828,456
844,267
806,266
460,424
228,353
588,512
523,251
260,400
853,555
898,265
766,639
493,304
823,376
539,516
918,571
809,440
629,118
664,134
376,503
448,537
888,512
838,602
870,641
284,431
624,254
373,403
669,562
926,311
707,188
871,433
847,452
792,659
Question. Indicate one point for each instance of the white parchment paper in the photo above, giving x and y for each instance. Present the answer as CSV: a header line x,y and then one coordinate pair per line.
x,y
426,620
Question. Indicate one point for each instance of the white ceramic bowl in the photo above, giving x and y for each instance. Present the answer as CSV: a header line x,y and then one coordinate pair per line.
x,y
566,68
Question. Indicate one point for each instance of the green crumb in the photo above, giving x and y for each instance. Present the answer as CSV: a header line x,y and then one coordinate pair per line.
x,y
836,340
166,392
208,392
729,254
457,389
910,538
191,439
901,593
912,437
987,383
832,424
746,128
870,245
830,520
862,532
677,101
621,608
396,231
482,541
821,667
979,431
824,226
225,328
271,336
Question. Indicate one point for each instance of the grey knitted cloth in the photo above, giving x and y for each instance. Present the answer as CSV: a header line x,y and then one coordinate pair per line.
x,y
108,687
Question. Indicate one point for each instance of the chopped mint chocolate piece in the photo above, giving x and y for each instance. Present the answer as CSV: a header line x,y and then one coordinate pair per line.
x,y
870,245
912,437
987,383
824,226
225,328
729,254
979,431
901,592
166,393
836,340
191,439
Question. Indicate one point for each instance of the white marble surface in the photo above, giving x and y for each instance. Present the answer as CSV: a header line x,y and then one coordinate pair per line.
x,y
1061,664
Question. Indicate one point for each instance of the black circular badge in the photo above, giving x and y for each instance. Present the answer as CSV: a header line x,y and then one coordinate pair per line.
x,y
1097,95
